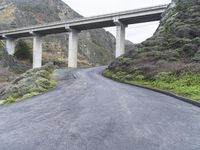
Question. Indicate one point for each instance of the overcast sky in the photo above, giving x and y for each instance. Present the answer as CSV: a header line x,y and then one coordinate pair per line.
x,y
135,33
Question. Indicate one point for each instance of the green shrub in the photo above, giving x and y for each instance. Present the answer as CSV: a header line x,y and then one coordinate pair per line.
x,y
23,51
162,76
107,73
44,74
196,57
9,100
139,77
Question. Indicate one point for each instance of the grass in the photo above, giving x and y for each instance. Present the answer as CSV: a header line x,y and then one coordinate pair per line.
x,y
26,96
185,84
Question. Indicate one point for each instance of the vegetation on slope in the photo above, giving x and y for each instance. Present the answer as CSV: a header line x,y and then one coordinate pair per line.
x,y
170,59
186,84
29,84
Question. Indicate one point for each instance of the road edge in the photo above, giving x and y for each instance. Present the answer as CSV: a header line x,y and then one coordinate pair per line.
x,y
184,99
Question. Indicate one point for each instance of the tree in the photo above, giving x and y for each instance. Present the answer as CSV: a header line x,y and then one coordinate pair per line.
x,y
23,51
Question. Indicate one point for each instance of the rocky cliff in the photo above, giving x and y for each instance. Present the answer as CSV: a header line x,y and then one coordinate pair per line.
x,y
95,46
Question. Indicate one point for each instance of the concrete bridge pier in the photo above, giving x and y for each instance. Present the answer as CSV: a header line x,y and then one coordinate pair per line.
x,y
10,46
120,37
73,48
37,51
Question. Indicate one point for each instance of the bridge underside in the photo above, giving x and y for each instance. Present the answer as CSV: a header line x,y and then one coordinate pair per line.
x,y
110,23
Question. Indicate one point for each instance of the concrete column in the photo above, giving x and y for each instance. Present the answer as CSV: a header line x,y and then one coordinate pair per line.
x,y
120,37
10,46
120,40
37,51
73,48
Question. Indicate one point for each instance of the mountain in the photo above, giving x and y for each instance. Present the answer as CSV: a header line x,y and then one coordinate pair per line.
x,y
95,46
170,59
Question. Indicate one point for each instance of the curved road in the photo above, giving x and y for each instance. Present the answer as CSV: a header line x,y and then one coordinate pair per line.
x,y
95,113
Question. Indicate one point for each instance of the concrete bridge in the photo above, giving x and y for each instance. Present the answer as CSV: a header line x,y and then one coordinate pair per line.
x,y
121,20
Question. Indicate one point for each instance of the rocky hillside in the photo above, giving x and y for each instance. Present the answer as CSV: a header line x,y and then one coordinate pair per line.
x,y
176,41
95,46
9,63
170,59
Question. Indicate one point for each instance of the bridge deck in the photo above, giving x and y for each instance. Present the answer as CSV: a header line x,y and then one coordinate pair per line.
x,y
127,17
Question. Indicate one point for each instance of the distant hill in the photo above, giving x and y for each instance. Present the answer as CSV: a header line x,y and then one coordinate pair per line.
x,y
95,46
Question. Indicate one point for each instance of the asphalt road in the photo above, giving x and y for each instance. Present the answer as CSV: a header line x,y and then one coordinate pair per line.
x,y
95,113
